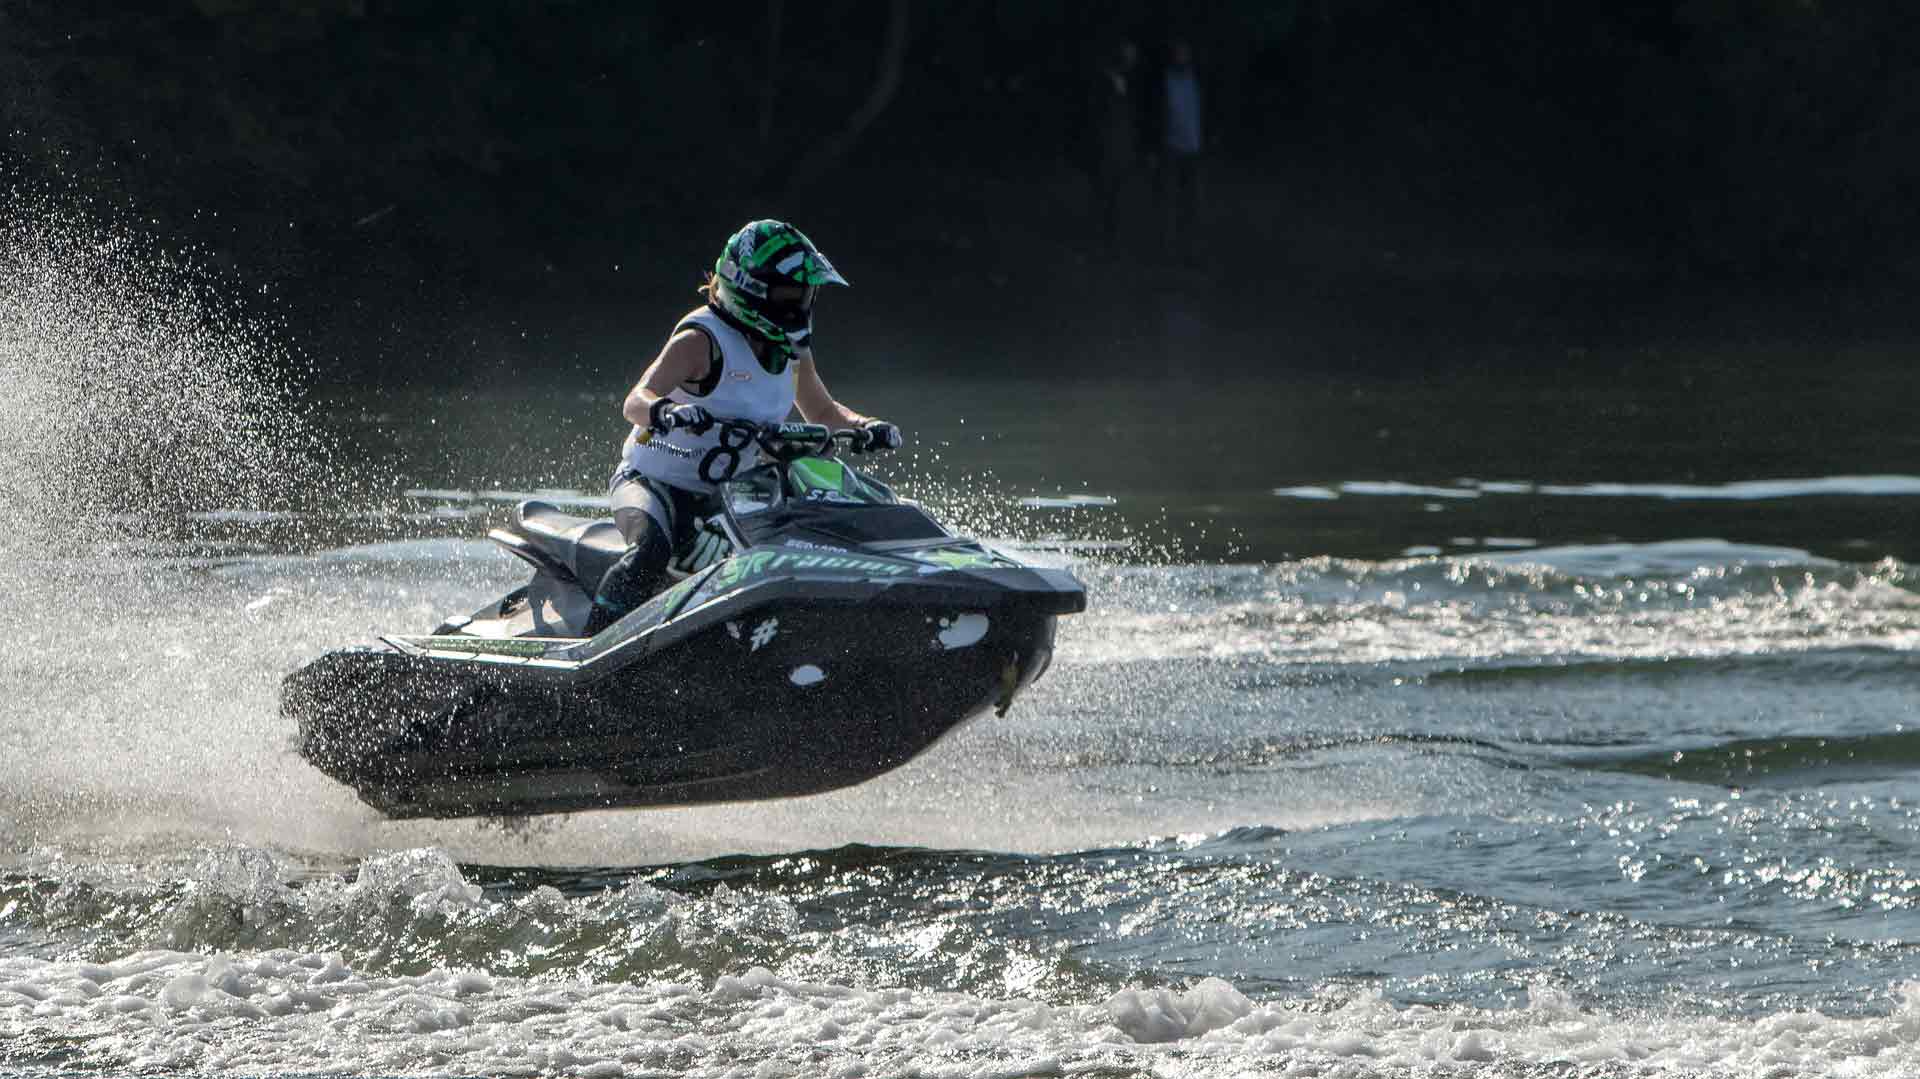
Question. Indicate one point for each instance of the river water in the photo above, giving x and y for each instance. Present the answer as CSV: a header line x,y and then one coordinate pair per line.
x,y
1494,721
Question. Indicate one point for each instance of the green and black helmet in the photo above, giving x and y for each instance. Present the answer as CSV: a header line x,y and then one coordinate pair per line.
x,y
766,281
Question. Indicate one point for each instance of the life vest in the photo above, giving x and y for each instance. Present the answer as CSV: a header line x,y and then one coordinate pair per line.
x,y
743,391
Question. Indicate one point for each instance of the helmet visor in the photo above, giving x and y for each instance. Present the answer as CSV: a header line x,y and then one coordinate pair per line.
x,y
798,296
790,307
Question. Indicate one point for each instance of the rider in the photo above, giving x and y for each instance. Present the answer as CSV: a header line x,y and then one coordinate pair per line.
x,y
745,355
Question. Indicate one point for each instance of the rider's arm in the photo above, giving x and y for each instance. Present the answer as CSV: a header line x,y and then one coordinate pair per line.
x,y
816,404
683,361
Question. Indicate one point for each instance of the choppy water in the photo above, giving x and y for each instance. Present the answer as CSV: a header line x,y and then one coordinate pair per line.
x,y
1623,789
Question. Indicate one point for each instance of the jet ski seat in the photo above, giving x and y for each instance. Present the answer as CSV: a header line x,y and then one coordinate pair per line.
x,y
585,547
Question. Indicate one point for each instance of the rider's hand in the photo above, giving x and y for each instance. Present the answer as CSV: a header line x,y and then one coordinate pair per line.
x,y
667,414
879,435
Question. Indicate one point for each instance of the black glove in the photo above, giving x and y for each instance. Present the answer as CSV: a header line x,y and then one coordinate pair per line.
x,y
667,414
878,435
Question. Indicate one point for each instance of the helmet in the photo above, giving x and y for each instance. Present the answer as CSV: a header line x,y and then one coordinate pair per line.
x,y
766,281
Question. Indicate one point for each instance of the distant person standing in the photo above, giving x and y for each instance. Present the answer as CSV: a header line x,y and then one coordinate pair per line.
x,y
1178,177
1111,123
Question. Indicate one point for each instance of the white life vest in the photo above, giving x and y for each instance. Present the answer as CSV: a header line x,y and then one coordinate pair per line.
x,y
744,391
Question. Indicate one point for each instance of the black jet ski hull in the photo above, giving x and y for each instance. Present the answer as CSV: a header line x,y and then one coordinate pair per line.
x,y
830,633
762,697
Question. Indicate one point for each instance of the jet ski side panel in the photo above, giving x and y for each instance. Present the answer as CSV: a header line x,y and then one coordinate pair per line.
x,y
779,702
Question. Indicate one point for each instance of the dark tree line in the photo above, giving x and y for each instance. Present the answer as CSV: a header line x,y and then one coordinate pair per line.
x,y
506,145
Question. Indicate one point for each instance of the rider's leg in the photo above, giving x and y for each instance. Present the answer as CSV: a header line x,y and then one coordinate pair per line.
x,y
654,518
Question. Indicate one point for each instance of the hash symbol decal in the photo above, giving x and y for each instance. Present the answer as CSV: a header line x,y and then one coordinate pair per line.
x,y
764,632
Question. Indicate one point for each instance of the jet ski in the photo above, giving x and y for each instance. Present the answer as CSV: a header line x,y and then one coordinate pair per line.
x,y
820,632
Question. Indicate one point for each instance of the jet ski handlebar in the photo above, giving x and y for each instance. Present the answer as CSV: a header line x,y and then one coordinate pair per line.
x,y
782,442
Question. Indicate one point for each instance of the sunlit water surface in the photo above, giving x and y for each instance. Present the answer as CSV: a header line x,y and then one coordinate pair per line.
x,y
1376,754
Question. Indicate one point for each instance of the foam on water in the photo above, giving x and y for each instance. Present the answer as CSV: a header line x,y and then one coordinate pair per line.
x,y
282,1006
1690,598
1885,486
286,1012
1668,558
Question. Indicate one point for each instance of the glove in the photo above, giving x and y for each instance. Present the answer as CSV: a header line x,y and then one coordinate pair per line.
x,y
879,435
667,414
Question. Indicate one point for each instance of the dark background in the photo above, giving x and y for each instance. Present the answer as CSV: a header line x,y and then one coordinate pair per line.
x,y
429,189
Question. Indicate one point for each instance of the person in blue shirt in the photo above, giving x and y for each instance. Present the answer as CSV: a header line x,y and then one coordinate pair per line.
x,y
1184,138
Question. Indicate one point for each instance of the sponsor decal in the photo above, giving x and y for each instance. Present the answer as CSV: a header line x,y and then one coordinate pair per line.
x,y
804,545
740,568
